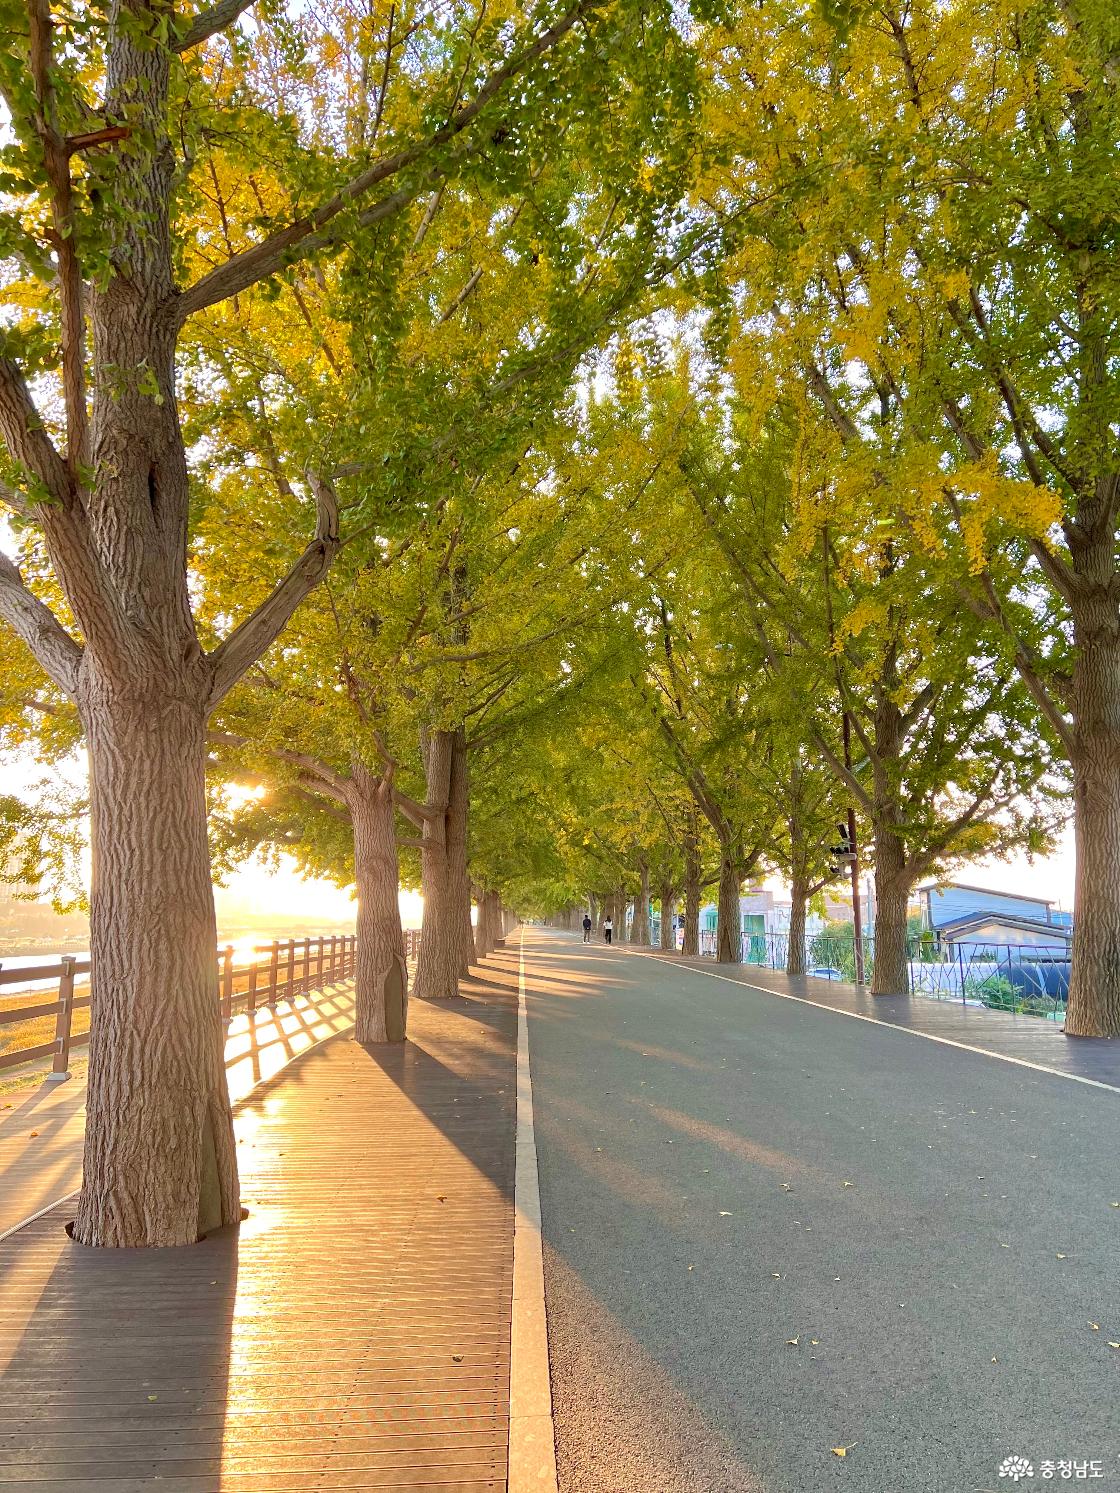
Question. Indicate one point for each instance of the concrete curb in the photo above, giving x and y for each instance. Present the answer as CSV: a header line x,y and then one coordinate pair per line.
x,y
532,1438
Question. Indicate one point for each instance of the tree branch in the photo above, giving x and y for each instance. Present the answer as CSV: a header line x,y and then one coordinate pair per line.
x,y
419,814
56,163
209,22
306,234
259,631
54,649
325,779
25,435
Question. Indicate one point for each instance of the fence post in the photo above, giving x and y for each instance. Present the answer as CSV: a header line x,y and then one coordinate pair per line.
x,y
60,1068
319,963
273,971
291,980
306,981
251,994
227,982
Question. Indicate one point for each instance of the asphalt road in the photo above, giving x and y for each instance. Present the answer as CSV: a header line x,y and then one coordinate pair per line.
x,y
772,1230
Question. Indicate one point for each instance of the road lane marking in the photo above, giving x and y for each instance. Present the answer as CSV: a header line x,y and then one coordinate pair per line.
x,y
532,1435
909,1031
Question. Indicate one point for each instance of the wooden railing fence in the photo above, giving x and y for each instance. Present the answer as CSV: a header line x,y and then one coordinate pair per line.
x,y
291,967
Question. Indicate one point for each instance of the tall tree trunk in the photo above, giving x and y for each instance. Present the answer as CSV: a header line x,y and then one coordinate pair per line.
x,y
666,900
640,933
729,935
458,818
1094,990
618,905
160,1162
499,917
380,972
892,878
892,890
489,922
439,958
795,953
692,893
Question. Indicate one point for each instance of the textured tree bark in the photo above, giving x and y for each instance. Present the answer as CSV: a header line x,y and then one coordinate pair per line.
x,y
667,899
892,889
795,954
481,931
497,920
692,894
160,1163
380,972
1094,991
458,823
640,927
893,878
729,936
438,961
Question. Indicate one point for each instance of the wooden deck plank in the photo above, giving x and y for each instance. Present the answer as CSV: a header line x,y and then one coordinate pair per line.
x,y
41,1127
353,1333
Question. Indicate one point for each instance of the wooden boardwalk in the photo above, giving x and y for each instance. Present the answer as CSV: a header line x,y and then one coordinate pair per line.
x,y
1026,1038
353,1334
42,1123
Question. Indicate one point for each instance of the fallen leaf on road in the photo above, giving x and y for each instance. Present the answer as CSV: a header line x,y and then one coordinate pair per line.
x,y
1114,1345
1096,1326
785,1186
847,1184
723,1213
775,1274
33,1134
1059,1257
456,1358
791,1342
841,1451
816,1342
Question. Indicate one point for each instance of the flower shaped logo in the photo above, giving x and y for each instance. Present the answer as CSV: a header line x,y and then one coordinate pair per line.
x,y
1016,1468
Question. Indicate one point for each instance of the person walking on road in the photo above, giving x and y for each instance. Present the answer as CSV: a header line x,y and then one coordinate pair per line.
x,y
587,927
608,929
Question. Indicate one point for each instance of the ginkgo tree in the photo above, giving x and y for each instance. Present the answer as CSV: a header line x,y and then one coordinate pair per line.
x,y
939,271
109,254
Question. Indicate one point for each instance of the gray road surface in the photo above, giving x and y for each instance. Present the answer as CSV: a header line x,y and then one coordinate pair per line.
x,y
772,1230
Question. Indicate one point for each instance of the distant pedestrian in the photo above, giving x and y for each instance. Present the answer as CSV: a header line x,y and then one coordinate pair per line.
x,y
587,927
608,929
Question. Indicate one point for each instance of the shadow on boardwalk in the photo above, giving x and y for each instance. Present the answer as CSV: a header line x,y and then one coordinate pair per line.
x,y
353,1333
